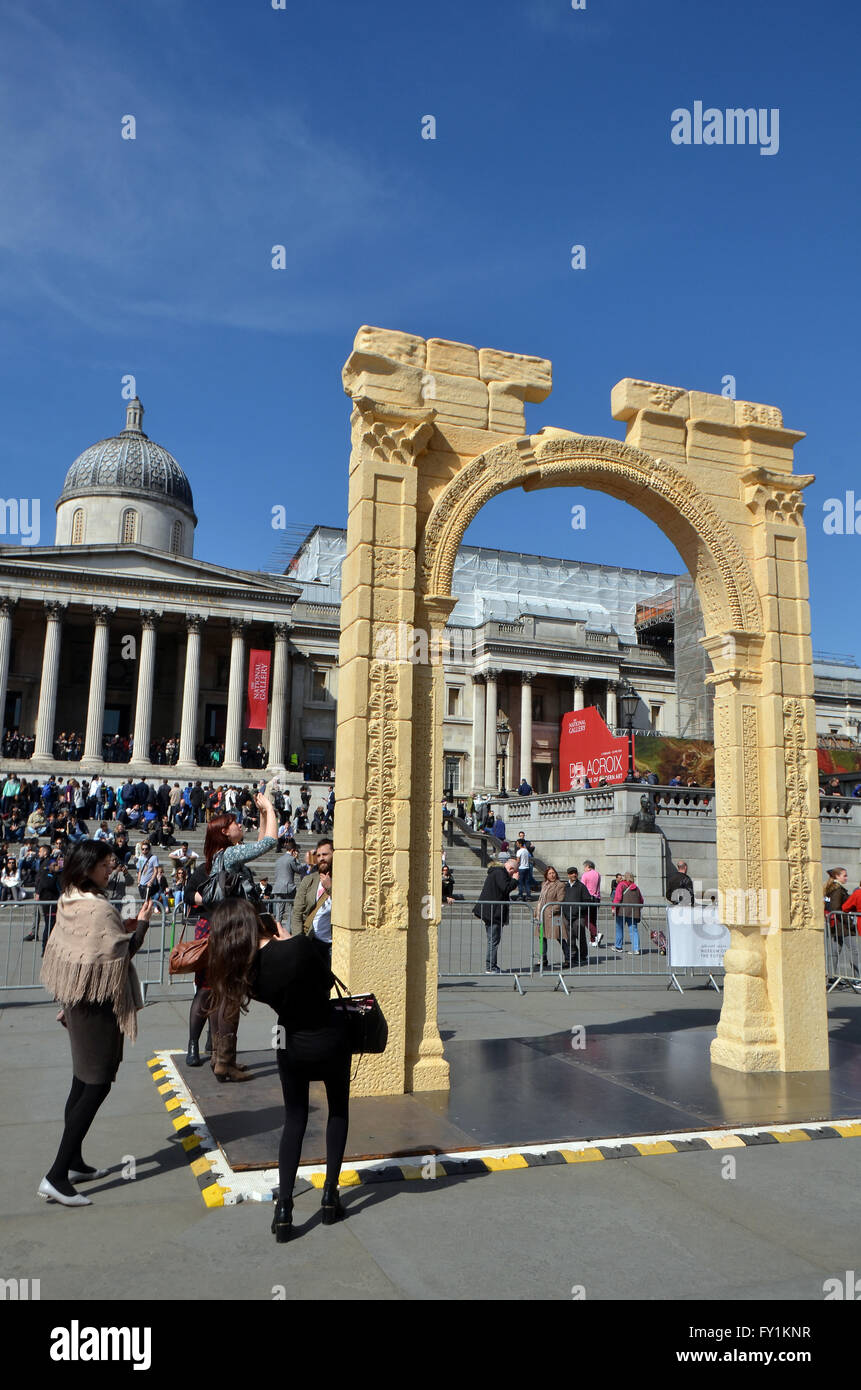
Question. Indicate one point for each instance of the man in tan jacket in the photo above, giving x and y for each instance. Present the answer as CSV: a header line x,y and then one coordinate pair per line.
x,y
312,906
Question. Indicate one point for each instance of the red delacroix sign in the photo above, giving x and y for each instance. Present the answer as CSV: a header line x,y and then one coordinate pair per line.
x,y
588,749
258,690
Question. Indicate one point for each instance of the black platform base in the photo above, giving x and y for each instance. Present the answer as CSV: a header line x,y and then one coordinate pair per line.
x,y
625,1081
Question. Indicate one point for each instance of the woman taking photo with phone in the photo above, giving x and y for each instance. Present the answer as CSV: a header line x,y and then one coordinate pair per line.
x,y
87,967
224,837
249,959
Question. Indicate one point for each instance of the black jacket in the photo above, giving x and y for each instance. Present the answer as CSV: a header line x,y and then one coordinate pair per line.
x,y
498,887
47,886
679,885
577,893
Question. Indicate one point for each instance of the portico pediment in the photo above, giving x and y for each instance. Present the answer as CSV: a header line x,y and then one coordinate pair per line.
x,y
89,565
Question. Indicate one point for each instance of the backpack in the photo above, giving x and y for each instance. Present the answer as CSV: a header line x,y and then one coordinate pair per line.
x,y
228,883
632,894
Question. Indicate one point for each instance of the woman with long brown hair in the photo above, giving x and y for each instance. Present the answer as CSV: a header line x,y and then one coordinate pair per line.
x,y
251,960
223,849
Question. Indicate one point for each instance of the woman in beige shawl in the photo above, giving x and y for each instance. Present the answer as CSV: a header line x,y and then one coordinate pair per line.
x,y
87,967
548,915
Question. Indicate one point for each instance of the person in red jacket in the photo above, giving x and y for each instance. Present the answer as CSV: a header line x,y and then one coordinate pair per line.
x,y
848,958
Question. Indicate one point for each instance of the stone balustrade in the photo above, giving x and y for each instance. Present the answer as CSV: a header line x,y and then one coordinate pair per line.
x,y
669,802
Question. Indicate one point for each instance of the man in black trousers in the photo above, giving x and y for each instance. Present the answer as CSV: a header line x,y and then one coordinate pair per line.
x,y
576,916
492,908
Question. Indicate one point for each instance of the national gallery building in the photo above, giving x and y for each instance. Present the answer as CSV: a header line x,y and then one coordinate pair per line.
x,y
117,635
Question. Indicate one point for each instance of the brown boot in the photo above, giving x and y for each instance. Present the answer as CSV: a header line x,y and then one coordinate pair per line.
x,y
225,1067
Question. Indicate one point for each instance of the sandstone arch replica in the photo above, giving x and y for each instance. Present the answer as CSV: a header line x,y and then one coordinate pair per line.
x,y
438,428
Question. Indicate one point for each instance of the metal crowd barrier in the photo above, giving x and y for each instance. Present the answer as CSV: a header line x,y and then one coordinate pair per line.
x,y
566,932
842,951
562,945
21,960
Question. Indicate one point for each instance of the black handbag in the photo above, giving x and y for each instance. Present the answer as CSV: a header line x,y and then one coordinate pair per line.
x,y
228,883
367,1028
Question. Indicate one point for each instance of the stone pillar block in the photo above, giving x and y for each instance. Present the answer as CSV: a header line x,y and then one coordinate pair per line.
x,y
458,400
534,374
455,359
506,413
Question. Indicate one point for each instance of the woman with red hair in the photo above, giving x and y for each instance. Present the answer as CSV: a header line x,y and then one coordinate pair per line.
x,y
224,837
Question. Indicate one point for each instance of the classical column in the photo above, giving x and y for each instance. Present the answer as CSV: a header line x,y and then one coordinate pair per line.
x,y
235,692
191,691
578,684
612,712
490,716
98,685
526,679
146,677
44,746
279,697
478,718
6,607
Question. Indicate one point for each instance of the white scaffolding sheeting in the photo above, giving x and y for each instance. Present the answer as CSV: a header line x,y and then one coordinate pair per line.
x,y
501,586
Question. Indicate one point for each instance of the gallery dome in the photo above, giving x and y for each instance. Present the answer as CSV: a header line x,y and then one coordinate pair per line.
x,y
128,462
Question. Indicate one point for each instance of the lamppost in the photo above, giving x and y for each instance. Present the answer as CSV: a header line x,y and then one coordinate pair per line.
x,y
628,700
502,734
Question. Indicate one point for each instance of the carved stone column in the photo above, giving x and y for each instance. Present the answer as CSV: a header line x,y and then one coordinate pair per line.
x,y
146,679
43,749
98,685
491,714
7,606
526,679
187,764
279,696
478,721
385,900
238,627
578,684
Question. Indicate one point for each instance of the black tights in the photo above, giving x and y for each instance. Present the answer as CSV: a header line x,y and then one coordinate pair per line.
x,y
198,1016
294,1084
81,1109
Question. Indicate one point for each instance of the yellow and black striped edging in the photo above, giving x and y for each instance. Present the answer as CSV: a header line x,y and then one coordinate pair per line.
x,y
192,1133
196,1140
496,1161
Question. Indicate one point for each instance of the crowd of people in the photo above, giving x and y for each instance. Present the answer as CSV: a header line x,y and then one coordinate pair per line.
x,y
163,752
40,821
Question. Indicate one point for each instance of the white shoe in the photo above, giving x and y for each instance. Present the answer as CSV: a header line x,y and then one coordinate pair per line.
x,y
598,939
50,1193
88,1177
634,953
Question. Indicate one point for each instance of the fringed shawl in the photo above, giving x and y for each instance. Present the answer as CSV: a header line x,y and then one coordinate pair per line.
x,y
88,959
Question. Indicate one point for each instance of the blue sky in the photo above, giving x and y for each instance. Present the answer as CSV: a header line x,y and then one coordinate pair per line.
x,y
303,127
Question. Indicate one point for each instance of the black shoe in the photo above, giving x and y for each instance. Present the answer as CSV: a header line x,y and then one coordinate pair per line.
x,y
330,1206
282,1222
192,1057
31,936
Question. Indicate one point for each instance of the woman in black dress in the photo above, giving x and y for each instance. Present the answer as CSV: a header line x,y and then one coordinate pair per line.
x,y
249,959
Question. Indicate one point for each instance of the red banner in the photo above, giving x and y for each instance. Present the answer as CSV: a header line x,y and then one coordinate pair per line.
x,y
588,749
258,690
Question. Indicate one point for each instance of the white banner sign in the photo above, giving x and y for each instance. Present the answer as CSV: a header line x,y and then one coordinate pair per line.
x,y
697,937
